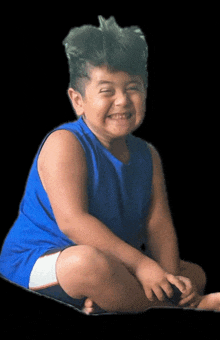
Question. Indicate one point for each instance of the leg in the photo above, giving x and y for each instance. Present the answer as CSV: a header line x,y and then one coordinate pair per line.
x,y
86,271
210,302
195,273
198,278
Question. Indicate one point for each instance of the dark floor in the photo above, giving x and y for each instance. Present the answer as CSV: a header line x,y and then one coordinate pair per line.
x,y
31,316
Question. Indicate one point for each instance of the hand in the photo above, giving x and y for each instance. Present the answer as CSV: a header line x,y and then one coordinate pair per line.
x,y
156,281
190,297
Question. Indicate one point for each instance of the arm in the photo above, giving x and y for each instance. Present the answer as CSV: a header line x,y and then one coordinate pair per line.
x,y
161,233
63,171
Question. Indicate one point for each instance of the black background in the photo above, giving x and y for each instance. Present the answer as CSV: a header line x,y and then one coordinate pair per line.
x,y
181,122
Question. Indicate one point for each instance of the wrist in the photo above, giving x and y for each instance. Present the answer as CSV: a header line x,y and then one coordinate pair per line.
x,y
174,268
171,264
145,262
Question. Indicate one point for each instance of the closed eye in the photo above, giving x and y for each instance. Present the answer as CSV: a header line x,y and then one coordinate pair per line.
x,y
107,91
133,88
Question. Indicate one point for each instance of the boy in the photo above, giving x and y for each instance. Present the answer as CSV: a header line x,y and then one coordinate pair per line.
x,y
94,228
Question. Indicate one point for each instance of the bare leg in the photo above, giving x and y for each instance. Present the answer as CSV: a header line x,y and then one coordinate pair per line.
x,y
210,302
198,278
86,271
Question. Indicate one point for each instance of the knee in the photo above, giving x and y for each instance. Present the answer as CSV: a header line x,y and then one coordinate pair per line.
x,y
196,273
96,265
91,258
202,279
87,261
81,268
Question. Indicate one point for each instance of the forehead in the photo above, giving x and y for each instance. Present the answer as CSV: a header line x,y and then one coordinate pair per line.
x,y
102,75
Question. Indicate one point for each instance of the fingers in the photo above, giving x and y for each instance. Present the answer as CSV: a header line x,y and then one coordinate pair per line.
x,y
188,299
193,300
176,282
155,293
158,292
188,286
167,289
149,294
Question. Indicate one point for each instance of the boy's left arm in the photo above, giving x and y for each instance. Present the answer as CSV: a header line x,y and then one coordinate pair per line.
x,y
161,234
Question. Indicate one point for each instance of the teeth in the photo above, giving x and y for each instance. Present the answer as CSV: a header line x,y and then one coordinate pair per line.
x,y
120,116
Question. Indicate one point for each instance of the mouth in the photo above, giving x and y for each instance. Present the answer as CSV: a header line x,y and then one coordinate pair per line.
x,y
120,116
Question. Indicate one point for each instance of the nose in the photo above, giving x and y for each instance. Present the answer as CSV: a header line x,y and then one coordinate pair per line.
x,y
122,99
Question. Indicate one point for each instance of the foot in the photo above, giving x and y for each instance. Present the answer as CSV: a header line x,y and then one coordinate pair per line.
x,y
89,307
210,302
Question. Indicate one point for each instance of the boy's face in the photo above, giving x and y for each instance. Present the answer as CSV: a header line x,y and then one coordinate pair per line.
x,y
113,105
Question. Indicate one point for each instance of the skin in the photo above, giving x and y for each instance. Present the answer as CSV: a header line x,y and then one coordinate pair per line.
x,y
106,94
100,255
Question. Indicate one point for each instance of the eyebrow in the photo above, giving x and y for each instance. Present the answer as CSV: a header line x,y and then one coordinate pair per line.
x,y
101,82
104,82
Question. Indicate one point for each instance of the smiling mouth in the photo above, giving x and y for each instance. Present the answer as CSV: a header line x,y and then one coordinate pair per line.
x,y
120,116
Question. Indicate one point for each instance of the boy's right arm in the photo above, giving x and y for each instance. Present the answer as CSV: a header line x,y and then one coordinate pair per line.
x,y
63,171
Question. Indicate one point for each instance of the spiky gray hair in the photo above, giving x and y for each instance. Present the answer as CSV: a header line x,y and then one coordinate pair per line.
x,y
120,49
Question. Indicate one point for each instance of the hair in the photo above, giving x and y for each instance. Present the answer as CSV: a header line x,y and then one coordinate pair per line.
x,y
120,49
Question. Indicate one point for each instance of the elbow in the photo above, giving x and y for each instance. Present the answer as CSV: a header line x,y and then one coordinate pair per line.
x,y
71,226
162,227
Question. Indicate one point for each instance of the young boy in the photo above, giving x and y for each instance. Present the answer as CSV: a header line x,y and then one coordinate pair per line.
x,y
94,228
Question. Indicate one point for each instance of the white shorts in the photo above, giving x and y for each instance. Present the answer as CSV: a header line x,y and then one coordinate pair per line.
x,y
43,281
43,274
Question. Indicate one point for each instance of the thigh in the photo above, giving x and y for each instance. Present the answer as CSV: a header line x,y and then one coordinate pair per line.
x,y
87,271
43,281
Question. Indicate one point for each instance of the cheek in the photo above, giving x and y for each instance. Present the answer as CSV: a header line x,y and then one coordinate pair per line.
x,y
140,111
144,106
101,107
140,105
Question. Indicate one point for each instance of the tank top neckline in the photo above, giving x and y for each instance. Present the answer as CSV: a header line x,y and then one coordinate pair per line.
x,y
109,154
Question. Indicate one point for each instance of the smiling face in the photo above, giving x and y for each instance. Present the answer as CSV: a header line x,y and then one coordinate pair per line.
x,y
113,105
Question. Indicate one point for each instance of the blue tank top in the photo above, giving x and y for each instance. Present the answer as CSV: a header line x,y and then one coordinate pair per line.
x,y
119,195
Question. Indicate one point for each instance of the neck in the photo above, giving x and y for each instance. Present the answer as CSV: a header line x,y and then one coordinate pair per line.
x,y
113,144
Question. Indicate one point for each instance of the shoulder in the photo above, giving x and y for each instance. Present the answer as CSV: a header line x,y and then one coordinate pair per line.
x,y
154,153
61,151
60,136
153,150
62,169
158,173
60,143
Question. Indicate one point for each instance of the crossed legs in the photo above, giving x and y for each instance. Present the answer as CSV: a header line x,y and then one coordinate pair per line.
x,y
86,271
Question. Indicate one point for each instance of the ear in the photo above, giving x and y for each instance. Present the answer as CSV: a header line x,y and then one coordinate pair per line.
x,y
77,101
